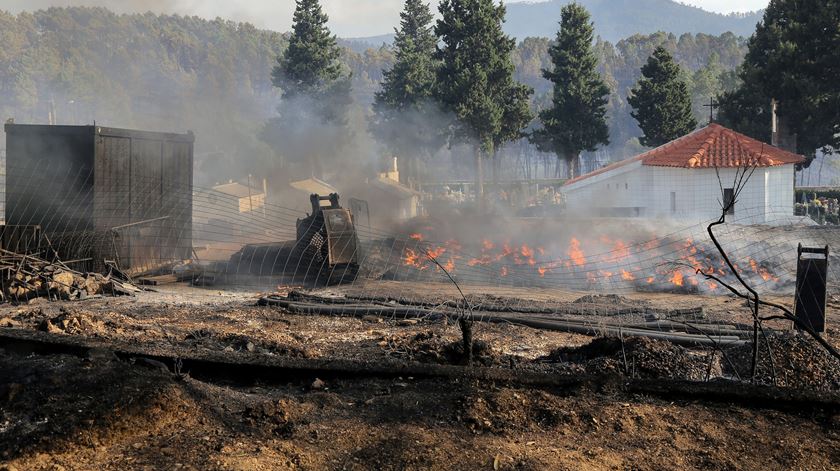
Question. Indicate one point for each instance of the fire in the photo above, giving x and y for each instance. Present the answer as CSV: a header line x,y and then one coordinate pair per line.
x,y
414,259
677,278
575,253
618,261
761,271
528,253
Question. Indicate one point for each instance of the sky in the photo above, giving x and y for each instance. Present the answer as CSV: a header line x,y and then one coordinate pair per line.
x,y
348,18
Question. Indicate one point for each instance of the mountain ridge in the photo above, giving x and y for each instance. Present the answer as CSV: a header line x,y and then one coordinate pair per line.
x,y
612,22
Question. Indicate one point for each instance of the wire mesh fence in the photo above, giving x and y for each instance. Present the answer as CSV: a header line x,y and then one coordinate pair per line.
x,y
76,231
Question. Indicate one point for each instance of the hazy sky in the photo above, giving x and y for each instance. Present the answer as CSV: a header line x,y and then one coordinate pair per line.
x,y
348,18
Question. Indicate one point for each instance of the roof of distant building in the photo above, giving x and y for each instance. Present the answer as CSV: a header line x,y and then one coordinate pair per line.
x,y
713,146
237,190
314,185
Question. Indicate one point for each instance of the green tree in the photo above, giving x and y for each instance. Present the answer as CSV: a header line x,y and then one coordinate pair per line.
x,y
661,102
576,121
794,58
475,79
405,116
706,84
310,63
316,92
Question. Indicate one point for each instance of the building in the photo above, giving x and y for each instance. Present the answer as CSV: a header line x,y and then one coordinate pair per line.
x,y
235,197
391,200
689,177
103,193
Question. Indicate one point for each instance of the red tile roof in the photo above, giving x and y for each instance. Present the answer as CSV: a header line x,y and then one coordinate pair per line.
x,y
713,146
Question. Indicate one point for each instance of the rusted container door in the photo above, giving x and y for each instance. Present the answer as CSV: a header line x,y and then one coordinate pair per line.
x,y
144,236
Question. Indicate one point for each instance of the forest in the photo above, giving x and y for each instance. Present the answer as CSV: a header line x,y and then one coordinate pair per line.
x,y
170,72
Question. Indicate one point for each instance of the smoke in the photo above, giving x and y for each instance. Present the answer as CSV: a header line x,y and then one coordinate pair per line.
x,y
380,15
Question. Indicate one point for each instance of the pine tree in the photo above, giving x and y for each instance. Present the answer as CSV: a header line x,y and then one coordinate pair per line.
x,y
405,117
475,80
576,120
794,58
310,64
312,121
661,102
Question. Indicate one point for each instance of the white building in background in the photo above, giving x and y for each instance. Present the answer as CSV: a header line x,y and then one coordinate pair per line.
x,y
679,181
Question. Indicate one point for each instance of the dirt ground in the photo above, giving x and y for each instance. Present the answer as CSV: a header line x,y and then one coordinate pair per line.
x,y
103,412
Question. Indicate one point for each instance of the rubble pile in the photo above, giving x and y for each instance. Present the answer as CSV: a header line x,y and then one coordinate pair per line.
x,y
797,361
24,277
637,357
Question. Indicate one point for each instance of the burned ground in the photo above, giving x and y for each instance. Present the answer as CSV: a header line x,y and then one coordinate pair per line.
x,y
99,411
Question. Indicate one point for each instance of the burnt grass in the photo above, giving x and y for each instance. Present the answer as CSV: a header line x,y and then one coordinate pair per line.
x,y
62,412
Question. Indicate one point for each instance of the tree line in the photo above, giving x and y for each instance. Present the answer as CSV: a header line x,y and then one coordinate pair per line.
x,y
215,77
454,81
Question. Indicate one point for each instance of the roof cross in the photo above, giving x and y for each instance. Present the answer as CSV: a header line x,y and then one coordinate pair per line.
x,y
712,105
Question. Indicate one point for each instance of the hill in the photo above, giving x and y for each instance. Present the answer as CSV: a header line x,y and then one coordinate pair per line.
x,y
616,19
174,73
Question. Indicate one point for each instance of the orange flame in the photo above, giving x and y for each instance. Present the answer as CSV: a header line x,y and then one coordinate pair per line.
x,y
677,278
575,253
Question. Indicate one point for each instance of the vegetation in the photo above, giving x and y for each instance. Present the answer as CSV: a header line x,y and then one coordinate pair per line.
x,y
475,78
661,102
214,77
794,57
616,20
576,120
405,98
316,93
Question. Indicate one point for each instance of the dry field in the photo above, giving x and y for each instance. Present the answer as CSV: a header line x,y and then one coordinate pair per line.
x,y
97,410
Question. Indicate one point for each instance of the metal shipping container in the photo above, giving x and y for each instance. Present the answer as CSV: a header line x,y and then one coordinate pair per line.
x,y
109,193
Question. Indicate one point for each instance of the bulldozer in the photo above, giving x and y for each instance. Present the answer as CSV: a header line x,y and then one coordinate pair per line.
x,y
325,252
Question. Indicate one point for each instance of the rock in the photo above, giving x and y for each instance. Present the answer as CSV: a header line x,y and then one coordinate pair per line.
x,y
250,346
318,384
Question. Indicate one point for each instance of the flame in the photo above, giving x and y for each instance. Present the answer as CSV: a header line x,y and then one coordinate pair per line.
x,y
618,260
677,278
414,259
575,253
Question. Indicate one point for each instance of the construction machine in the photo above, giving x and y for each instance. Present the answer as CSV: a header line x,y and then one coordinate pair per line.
x,y
326,250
